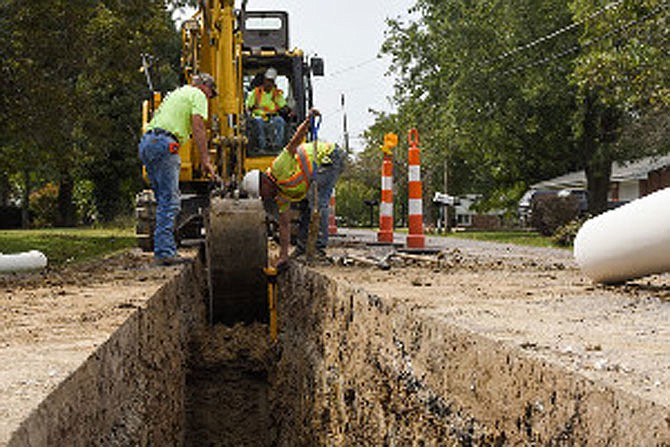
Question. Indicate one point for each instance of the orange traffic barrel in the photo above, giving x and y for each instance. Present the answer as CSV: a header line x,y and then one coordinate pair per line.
x,y
385,233
415,236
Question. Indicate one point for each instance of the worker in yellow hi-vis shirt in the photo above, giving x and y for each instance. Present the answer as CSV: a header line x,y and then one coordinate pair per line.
x,y
289,178
183,113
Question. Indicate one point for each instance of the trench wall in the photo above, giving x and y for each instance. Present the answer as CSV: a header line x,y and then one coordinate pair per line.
x,y
350,369
370,372
130,391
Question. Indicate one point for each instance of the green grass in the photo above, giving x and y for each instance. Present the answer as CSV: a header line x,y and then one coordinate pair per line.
x,y
519,237
511,237
67,246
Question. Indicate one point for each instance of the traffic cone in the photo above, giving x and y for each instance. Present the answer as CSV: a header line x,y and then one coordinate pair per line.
x,y
415,236
385,233
332,222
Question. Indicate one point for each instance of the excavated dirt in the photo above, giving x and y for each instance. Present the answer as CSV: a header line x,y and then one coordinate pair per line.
x,y
52,321
534,301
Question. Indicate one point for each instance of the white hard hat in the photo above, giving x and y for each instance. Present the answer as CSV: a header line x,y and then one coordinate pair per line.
x,y
251,183
271,73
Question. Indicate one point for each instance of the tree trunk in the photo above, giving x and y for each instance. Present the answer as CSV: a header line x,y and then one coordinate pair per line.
x,y
598,171
25,203
599,131
5,187
66,210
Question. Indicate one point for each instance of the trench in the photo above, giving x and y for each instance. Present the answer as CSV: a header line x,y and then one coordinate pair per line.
x,y
349,369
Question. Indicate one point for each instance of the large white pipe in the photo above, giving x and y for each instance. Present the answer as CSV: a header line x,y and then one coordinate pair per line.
x,y
31,260
628,242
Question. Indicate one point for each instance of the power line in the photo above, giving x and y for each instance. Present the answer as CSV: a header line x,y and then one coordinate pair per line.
x,y
553,34
354,67
588,43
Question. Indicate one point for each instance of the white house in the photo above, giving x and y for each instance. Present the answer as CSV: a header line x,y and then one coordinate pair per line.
x,y
628,181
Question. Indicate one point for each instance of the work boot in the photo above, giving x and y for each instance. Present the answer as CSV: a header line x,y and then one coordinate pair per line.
x,y
322,257
172,260
297,253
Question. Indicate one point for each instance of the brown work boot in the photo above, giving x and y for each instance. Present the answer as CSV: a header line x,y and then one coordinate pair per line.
x,y
172,260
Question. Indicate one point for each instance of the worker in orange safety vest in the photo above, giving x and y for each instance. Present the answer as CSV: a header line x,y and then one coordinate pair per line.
x,y
266,105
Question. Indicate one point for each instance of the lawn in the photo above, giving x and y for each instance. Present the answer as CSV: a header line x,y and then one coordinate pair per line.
x,y
511,237
67,246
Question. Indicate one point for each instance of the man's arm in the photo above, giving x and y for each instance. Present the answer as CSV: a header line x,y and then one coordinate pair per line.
x,y
300,133
200,137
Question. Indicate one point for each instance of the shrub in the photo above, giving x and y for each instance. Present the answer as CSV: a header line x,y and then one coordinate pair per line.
x,y
565,234
550,212
44,206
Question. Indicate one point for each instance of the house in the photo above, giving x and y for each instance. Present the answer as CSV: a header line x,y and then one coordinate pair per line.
x,y
629,181
466,217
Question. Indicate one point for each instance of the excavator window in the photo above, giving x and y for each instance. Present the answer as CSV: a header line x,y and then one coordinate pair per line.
x,y
270,147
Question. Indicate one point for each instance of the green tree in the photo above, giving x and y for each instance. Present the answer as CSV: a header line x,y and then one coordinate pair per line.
x,y
622,75
122,32
493,86
70,106
498,116
42,108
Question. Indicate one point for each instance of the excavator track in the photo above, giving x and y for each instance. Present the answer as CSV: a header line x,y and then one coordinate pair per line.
x,y
236,241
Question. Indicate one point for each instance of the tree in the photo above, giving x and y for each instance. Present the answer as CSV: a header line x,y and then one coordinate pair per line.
x,y
622,75
70,107
497,116
122,32
42,107
520,91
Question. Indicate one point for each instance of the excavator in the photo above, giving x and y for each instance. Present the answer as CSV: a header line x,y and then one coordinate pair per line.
x,y
236,47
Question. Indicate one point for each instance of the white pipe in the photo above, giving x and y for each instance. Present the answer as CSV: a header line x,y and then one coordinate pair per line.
x,y
628,242
31,260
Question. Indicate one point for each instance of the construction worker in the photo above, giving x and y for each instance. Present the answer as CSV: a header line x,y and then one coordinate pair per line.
x,y
182,113
266,104
289,179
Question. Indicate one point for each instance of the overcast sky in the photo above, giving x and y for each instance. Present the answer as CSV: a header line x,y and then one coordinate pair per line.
x,y
348,35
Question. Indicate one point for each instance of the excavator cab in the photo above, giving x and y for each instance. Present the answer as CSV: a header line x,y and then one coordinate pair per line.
x,y
266,45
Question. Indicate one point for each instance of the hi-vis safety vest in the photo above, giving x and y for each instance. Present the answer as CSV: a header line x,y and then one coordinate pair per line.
x,y
293,175
267,103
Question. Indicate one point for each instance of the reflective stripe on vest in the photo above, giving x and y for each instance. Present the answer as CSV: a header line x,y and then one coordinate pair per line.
x,y
304,175
258,92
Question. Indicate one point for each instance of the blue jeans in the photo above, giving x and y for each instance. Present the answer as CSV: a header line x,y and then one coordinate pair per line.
x,y
276,126
326,178
163,171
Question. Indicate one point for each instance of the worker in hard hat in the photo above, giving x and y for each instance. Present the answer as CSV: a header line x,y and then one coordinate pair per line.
x,y
181,114
266,105
288,180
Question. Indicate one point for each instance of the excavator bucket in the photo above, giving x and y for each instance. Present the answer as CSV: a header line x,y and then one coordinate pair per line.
x,y
236,238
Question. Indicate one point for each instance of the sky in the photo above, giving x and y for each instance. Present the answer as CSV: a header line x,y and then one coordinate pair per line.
x,y
348,35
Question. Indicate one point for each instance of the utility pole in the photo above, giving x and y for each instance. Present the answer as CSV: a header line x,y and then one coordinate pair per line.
x,y
446,191
344,125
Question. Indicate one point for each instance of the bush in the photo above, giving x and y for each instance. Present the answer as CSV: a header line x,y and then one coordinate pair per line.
x,y
44,206
550,212
84,200
565,234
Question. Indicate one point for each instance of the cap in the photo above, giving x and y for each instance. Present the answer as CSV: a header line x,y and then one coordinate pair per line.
x,y
271,73
206,79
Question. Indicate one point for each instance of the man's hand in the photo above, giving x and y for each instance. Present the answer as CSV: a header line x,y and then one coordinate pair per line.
x,y
208,170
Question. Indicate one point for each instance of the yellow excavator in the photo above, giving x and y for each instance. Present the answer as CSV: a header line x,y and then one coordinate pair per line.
x,y
236,47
